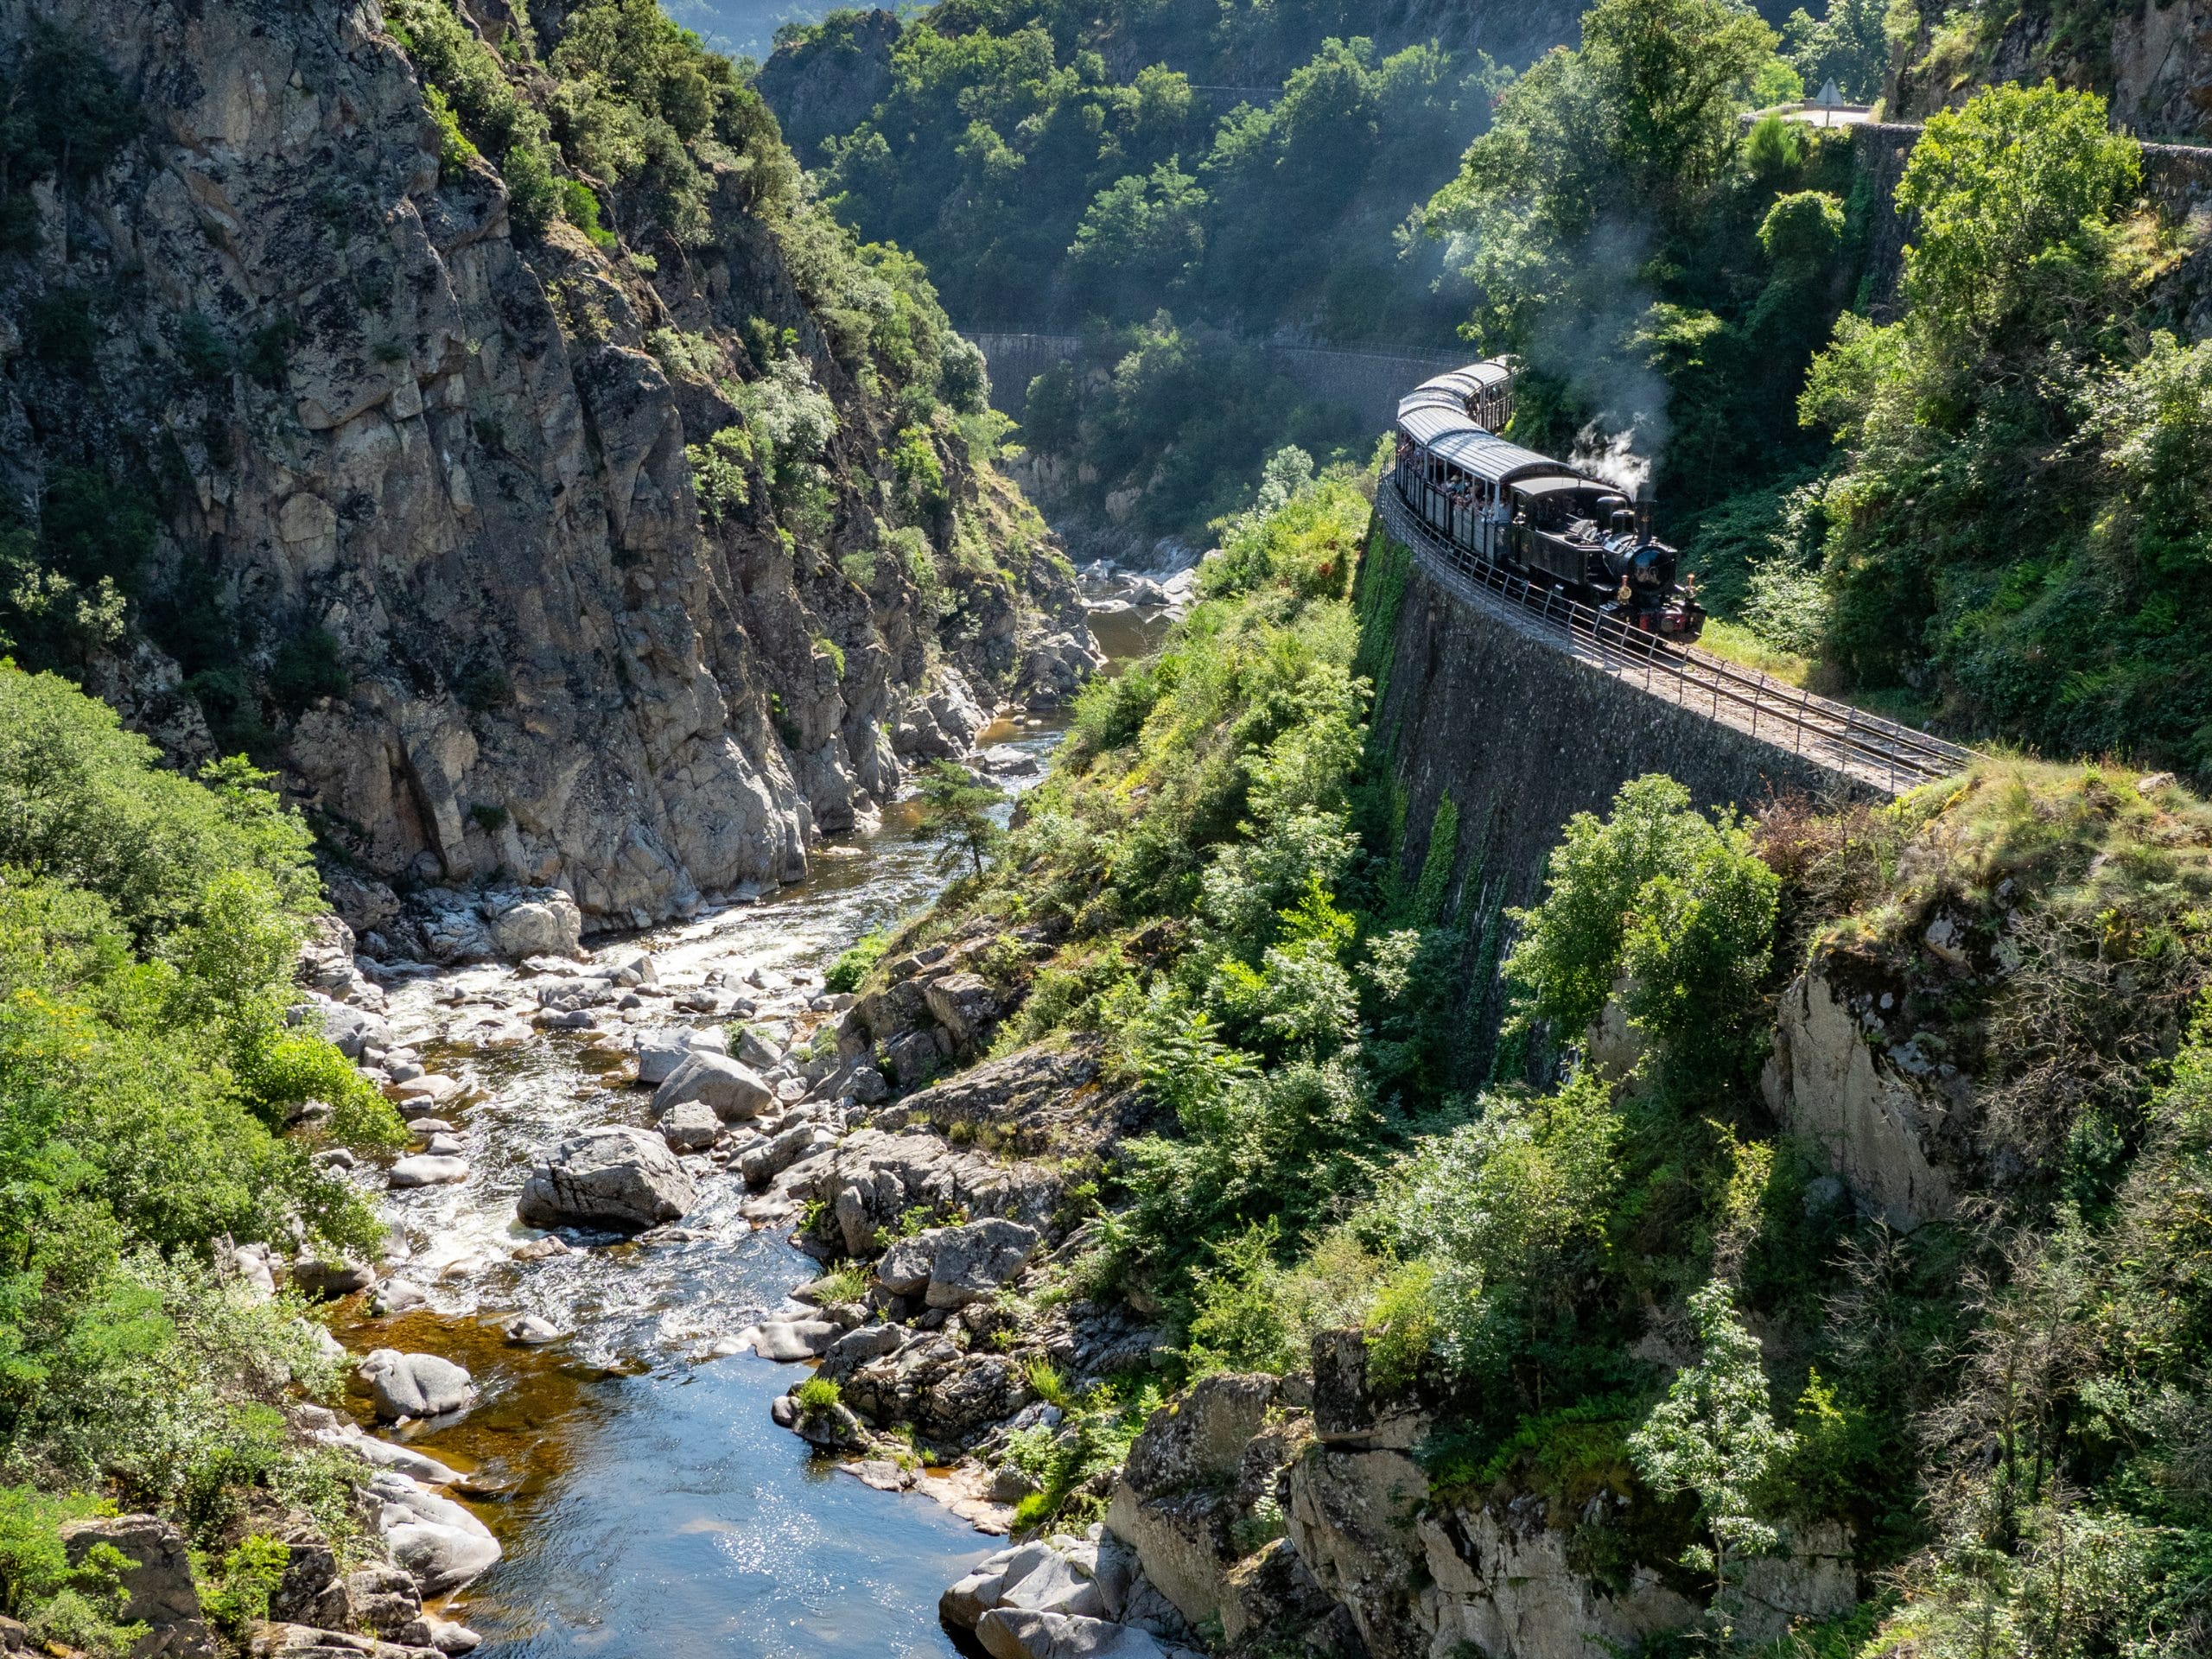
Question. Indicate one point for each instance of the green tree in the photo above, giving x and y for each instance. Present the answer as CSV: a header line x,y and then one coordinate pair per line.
x,y
1564,964
2021,178
956,813
1637,126
1965,529
1714,1435
1847,44
1139,233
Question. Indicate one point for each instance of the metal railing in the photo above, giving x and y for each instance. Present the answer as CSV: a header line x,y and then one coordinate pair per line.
x,y
1863,746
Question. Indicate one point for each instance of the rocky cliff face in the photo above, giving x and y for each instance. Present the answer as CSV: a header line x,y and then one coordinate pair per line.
x,y
2153,60
406,482
1277,1509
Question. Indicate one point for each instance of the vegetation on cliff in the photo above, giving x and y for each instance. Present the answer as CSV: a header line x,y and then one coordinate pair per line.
x,y
147,929
1644,1285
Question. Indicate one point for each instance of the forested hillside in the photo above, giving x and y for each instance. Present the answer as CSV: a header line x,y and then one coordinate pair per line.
x,y
1124,175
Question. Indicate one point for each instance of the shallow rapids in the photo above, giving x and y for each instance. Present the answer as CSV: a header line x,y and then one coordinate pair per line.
x,y
645,1502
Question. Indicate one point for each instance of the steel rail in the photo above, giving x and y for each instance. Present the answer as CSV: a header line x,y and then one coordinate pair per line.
x,y
1862,745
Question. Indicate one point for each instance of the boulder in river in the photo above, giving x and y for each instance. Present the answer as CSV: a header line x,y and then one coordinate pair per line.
x,y
614,1177
437,1541
660,1052
315,1275
794,1339
415,1385
734,1090
534,922
398,1296
773,1157
690,1126
426,1169
1019,1633
280,1641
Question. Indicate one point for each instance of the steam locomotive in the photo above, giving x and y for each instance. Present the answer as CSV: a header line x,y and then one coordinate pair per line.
x,y
1536,517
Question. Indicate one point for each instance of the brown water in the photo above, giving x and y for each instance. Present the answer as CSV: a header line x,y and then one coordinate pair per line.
x,y
646,1503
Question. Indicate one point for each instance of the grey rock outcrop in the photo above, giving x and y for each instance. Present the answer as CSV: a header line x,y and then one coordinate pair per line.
x,y
872,1178
967,1263
1833,1082
1417,1574
733,1090
415,1385
278,1640
437,1541
690,1126
614,1177
659,1052
1191,1477
157,1586
1021,1633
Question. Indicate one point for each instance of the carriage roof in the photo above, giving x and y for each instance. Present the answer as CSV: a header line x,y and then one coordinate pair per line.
x,y
1456,389
1481,455
1434,414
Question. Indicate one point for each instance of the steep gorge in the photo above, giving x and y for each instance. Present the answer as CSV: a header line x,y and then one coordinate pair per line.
x,y
325,439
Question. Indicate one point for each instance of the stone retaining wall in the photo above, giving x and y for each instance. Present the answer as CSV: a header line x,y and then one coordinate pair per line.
x,y
1522,737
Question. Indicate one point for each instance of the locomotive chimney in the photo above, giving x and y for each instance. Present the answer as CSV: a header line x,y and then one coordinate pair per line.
x,y
1643,511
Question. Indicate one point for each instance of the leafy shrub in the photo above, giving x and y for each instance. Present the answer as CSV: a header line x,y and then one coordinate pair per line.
x,y
309,666
917,476
236,1594
534,196
454,150
1046,1382
580,206
78,1606
815,1396
267,350
846,1282
200,349
1239,1323
484,687
852,966
718,473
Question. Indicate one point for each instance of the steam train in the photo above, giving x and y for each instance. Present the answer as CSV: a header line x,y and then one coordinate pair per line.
x,y
1533,517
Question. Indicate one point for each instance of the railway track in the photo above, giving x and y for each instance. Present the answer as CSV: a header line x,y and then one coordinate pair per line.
x,y
1865,747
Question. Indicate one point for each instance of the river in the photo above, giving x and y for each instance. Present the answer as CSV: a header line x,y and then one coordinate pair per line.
x,y
645,1502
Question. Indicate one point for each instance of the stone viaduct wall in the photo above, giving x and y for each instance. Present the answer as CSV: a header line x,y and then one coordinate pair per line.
x,y
1522,737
